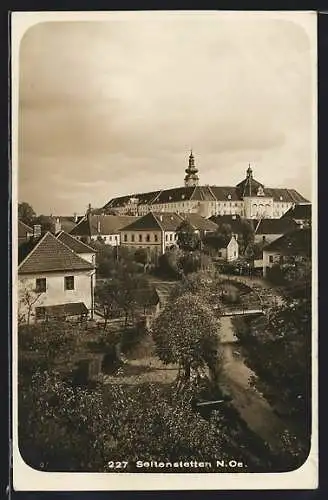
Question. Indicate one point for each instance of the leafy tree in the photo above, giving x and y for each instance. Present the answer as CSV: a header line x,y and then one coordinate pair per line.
x,y
217,240
200,284
50,340
226,231
67,428
26,213
123,294
278,349
141,256
46,223
186,333
247,232
187,238
191,262
169,264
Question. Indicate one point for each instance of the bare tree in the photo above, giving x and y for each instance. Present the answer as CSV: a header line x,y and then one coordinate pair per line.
x,y
27,298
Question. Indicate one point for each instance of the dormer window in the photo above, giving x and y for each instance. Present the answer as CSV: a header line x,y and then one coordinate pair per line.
x,y
229,196
280,198
170,197
182,196
260,191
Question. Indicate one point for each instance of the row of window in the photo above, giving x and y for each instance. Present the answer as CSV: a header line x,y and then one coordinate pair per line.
x,y
41,284
168,237
140,238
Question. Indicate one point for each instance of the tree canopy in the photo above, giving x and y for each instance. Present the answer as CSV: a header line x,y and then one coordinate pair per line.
x,y
187,238
278,349
186,333
26,213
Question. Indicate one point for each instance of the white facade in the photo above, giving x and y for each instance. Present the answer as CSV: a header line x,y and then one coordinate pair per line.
x,y
270,258
55,292
230,252
249,207
109,239
151,240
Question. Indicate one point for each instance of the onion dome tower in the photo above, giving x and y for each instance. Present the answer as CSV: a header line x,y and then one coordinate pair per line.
x,y
191,179
249,186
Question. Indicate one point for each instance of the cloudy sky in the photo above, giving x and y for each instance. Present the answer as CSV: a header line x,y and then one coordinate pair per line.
x,y
112,108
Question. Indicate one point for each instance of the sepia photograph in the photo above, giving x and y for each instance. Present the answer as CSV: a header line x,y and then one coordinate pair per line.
x,y
164,254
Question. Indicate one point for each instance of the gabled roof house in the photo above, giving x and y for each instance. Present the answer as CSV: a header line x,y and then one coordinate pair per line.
x,y
53,280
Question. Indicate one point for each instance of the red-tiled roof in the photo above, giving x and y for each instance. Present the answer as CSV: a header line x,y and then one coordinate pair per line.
x,y
50,254
76,245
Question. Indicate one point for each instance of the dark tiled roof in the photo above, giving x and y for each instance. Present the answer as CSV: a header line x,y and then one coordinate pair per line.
x,y
108,224
199,222
168,221
67,223
226,193
69,309
143,198
149,222
209,193
50,254
219,240
248,187
274,226
203,193
286,195
76,245
296,242
174,195
24,229
234,221
299,212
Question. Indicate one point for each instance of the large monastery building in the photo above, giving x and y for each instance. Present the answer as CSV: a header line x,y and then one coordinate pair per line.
x,y
249,199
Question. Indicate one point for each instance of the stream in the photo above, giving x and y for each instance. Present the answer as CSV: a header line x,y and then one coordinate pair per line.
x,y
235,380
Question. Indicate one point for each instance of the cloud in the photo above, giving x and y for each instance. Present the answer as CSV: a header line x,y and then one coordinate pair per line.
x,y
108,108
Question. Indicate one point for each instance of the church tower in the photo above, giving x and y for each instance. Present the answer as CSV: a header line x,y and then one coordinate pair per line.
x,y
191,179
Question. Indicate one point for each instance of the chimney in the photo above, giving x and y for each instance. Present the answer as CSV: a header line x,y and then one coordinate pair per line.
x,y
36,231
98,226
75,217
57,225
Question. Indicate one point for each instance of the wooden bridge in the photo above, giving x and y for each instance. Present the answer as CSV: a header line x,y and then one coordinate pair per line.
x,y
240,310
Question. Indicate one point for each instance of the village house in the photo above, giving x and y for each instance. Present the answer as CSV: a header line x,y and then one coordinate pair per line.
x,y
25,232
301,214
105,228
53,281
81,249
156,232
292,246
234,222
228,250
268,230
